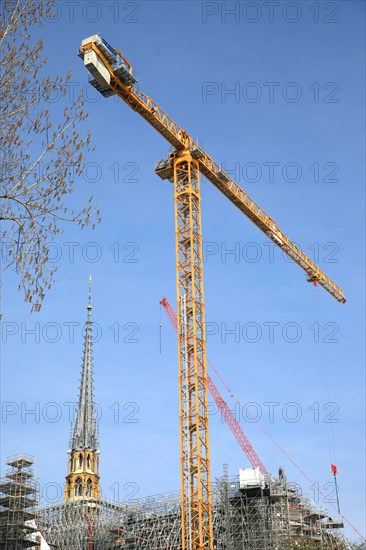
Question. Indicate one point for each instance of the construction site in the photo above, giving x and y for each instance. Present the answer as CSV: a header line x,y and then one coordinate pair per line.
x,y
251,510
248,513
253,518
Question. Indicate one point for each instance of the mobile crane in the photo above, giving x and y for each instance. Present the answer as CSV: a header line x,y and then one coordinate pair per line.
x,y
111,75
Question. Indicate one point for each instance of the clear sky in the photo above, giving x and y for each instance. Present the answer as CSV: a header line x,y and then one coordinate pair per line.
x,y
275,91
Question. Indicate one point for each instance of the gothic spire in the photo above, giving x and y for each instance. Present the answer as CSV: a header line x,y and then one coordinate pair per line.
x,y
85,432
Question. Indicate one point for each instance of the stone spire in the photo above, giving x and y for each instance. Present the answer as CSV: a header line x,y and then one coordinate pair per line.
x,y
82,479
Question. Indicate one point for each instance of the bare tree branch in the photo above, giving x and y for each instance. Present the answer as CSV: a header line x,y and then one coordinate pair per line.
x,y
41,150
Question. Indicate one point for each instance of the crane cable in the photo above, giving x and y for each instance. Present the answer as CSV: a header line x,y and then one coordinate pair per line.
x,y
324,378
326,395
160,330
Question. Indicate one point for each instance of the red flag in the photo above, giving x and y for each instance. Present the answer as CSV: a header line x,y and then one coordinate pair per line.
x,y
334,469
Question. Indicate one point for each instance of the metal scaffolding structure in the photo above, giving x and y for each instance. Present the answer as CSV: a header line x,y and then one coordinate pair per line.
x,y
81,524
18,499
151,522
244,518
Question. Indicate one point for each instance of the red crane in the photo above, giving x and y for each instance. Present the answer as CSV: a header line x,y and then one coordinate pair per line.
x,y
226,412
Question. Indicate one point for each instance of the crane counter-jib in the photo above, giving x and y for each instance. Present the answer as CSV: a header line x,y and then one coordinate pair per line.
x,y
113,74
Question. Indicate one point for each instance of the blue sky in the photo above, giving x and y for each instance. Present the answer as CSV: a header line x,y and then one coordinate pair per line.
x,y
308,135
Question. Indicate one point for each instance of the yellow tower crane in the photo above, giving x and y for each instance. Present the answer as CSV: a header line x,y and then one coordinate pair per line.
x,y
112,74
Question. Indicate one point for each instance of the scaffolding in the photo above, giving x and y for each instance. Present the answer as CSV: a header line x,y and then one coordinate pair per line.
x,y
18,499
249,518
152,522
297,518
270,516
81,524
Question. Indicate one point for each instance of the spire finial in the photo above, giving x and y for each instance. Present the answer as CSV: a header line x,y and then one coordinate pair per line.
x,y
89,306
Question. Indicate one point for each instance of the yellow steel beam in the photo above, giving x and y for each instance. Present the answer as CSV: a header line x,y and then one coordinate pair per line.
x,y
193,402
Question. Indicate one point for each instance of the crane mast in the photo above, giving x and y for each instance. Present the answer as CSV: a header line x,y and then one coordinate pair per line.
x,y
195,454
113,74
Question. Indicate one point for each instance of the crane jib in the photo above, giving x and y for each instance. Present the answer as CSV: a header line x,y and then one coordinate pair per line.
x,y
122,81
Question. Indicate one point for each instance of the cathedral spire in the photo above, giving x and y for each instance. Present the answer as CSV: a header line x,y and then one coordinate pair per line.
x,y
82,479
84,433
